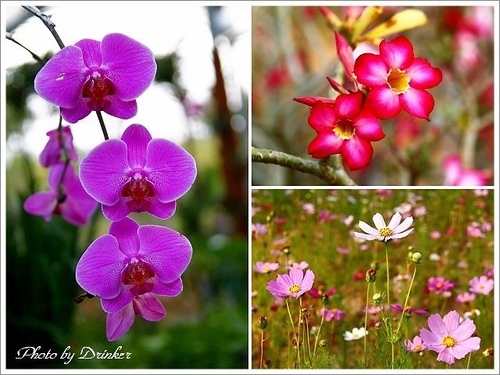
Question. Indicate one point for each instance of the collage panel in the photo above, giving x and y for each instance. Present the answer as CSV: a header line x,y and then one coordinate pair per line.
x,y
373,279
395,95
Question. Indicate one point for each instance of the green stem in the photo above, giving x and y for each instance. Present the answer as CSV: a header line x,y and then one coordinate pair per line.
x,y
295,332
261,349
366,320
333,173
468,360
391,334
317,337
406,300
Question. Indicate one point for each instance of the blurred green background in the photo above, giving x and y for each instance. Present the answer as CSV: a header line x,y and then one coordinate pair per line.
x,y
206,326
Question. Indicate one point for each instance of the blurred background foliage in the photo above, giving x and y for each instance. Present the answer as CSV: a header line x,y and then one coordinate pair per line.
x,y
297,52
206,326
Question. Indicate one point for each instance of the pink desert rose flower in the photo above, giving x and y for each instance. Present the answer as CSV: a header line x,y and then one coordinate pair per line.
x,y
344,128
457,175
450,338
382,232
137,174
481,285
265,267
145,305
97,76
415,346
132,261
293,284
58,142
69,200
397,80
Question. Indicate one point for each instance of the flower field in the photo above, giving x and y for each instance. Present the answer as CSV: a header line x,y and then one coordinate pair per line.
x,y
416,292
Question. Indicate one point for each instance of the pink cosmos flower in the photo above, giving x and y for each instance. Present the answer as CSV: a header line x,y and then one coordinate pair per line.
x,y
137,174
266,267
334,314
132,261
58,141
450,338
344,128
293,284
259,229
97,76
465,297
457,175
397,80
146,305
481,285
382,232
440,285
300,266
68,200
415,346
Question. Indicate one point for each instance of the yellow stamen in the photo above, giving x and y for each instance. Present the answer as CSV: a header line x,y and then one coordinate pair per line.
x,y
398,80
384,232
449,341
294,289
344,129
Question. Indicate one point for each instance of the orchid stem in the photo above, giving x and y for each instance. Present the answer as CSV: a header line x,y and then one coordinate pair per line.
x,y
103,125
34,55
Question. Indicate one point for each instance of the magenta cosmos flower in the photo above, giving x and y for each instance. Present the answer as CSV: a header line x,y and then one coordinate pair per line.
x,y
293,285
133,260
397,80
449,338
137,174
97,76
59,143
145,305
344,128
383,232
69,199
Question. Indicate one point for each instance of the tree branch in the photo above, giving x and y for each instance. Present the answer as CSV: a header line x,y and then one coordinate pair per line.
x,y
333,173
46,21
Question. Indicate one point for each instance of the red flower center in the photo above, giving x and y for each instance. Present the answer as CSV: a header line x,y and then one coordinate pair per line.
x,y
344,129
96,89
398,80
137,274
138,191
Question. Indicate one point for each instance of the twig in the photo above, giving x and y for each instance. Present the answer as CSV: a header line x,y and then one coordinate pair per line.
x,y
333,173
34,55
47,22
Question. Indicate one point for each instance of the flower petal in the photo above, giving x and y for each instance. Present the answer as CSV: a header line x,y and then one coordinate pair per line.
x,y
148,307
401,235
103,172
130,65
418,103
122,109
322,117
172,289
403,226
446,356
437,325
367,228
395,220
307,282
379,221
161,210
125,232
61,79
117,324
368,127
99,269
172,170
464,330
91,52
124,298
277,289
430,339
383,102
423,75
117,211
166,250
348,106
76,113
325,144
397,53
368,237
371,70
471,344
41,204
452,321
137,138
357,153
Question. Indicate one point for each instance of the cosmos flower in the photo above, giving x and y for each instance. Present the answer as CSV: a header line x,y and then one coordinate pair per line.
x,y
383,232
356,334
293,284
97,76
450,338
481,285
415,346
266,267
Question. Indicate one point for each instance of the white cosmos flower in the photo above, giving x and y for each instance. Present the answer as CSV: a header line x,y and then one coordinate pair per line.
x,y
356,334
382,232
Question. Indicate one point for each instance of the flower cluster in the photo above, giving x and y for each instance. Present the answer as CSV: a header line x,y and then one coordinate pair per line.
x,y
380,86
131,264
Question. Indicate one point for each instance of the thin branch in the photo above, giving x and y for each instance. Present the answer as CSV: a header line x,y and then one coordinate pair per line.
x,y
47,22
333,173
34,55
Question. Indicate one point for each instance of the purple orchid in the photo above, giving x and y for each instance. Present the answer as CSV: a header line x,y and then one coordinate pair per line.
x,y
97,76
137,174
67,199
146,305
129,263
58,142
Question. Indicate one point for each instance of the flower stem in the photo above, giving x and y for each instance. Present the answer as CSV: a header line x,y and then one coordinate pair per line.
x,y
261,349
406,300
47,22
103,126
391,335
35,56
295,333
366,319
468,360
317,336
